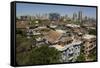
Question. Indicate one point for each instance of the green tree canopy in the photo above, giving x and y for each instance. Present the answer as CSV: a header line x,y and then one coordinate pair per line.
x,y
45,55
39,55
92,31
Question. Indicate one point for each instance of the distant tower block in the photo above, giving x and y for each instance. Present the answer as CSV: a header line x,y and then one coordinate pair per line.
x,y
74,17
80,16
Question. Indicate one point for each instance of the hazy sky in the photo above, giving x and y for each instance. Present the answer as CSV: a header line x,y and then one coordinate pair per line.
x,y
32,9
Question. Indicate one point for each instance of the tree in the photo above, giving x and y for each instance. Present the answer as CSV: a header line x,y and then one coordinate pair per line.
x,y
92,31
77,22
38,55
81,57
93,55
22,43
21,32
23,58
45,55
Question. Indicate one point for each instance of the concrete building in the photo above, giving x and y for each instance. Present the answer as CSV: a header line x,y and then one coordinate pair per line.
x,y
89,45
74,17
32,31
54,16
73,25
25,18
80,16
69,47
70,51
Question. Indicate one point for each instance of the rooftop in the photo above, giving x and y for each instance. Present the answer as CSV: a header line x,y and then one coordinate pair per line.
x,y
53,36
87,36
72,25
62,48
60,31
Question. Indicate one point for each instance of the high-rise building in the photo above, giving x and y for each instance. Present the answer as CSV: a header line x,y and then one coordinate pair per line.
x,y
25,18
85,18
54,16
80,16
74,16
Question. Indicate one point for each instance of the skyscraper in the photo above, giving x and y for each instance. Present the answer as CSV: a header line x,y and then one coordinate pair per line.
x,y
74,16
54,16
80,16
85,18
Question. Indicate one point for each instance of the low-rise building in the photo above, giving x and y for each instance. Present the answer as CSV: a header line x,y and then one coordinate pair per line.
x,y
70,51
89,45
52,36
73,25
69,47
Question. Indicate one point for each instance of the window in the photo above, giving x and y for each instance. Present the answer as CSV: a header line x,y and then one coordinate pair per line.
x,y
91,41
90,46
75,47
70,55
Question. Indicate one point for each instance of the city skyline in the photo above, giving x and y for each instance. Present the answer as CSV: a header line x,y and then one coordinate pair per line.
x,y
33,9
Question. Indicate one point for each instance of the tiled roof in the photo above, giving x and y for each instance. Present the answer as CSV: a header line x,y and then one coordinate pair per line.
x,y
22,24
53,36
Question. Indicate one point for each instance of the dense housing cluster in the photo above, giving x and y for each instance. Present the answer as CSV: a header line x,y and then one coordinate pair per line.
x,y
74,38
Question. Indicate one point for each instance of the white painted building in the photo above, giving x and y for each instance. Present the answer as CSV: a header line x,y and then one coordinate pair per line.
x,y
73,25
69,52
